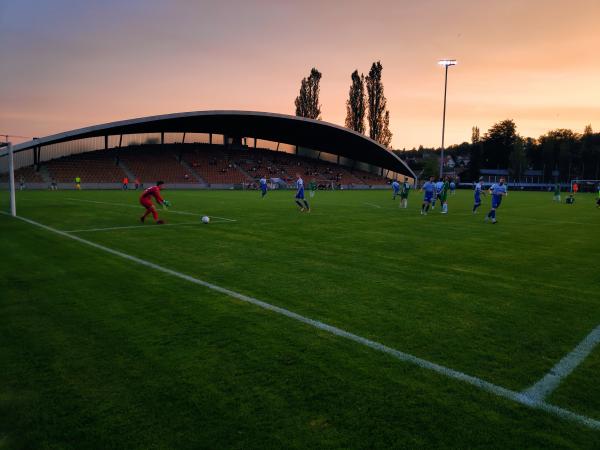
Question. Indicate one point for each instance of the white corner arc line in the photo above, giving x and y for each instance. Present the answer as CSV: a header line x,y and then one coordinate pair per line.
x,y
373,205
540,390
184,213
500,391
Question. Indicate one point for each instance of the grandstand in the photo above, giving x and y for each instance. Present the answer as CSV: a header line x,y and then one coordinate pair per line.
x,y
217,153
193,164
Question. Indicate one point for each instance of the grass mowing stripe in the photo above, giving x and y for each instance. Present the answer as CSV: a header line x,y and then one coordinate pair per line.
x,y
514,396
544,387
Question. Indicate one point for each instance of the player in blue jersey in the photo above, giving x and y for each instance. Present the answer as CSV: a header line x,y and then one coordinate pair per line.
x,y
395,189
498,190
300,200
478,193
263,187
453,187
429,189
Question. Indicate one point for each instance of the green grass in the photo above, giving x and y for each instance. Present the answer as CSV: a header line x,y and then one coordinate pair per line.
x,y
98,352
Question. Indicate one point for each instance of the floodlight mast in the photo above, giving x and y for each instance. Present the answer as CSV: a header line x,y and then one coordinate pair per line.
x,y
446,63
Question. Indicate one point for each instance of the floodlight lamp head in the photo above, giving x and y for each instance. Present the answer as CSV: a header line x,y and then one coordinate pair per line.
x,y
447,62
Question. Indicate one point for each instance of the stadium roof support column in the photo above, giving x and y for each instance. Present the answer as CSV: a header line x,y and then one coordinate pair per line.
x,y
106,142
162,138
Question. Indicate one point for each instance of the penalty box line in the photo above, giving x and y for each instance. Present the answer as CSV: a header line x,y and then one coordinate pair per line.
x,y
145,227
543,388
185,213
517,397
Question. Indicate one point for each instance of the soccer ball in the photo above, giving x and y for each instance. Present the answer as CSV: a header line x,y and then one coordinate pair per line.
x,y
205,219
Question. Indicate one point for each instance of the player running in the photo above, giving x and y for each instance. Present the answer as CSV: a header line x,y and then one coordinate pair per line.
x,y
263,187
404,190
429,188
146,202
395,189
478,192
498,190
300,194
452,188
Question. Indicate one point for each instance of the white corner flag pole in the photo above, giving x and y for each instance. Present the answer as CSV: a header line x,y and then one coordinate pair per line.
x,y
11,186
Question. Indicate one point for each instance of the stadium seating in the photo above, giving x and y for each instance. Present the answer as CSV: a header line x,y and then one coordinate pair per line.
x,y
91,167
151,164
27,174
215,164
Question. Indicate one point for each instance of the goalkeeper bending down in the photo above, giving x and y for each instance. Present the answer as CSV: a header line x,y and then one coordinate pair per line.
x,y
146,202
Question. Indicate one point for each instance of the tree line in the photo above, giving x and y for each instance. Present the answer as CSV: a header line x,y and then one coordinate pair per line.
x,y
366,99
559,155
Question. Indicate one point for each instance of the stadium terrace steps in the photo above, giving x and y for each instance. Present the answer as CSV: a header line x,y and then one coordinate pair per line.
x,y
125,169
150,164
192,171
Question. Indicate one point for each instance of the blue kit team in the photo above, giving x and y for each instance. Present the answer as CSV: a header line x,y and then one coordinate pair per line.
x,y
300,200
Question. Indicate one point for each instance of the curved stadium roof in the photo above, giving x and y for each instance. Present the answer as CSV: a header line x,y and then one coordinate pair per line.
x,y
300,131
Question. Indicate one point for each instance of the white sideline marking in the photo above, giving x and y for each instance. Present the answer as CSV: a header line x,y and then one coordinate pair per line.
x,y
500,391
372,204
185,213
540,390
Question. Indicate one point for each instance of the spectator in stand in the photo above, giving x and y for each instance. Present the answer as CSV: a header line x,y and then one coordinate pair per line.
x,y
186,177
125,183
53,186
137,183
21,183
78,183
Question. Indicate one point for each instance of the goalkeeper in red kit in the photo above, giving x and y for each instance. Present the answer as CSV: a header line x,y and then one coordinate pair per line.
x,y
146,202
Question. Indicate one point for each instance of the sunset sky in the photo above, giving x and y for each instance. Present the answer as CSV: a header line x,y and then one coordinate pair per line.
x,y
66,64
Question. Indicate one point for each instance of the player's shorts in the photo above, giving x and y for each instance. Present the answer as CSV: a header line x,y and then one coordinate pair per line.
x,y
428,197
443,197
404,195
264,189
496,200
300,194
146,203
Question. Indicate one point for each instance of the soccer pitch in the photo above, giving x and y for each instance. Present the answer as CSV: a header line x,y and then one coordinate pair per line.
x,y
358,325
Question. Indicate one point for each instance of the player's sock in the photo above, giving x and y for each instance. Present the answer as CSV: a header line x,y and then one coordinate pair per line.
x,y
155,215
306,204
299,204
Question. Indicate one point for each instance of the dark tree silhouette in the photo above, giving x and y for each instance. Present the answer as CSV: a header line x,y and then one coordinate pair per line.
x,y
307,102
356,104
378,115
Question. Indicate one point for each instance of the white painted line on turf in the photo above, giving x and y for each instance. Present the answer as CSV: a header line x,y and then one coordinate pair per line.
x,y
184,213
373,205
148,227
500,391
540,390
